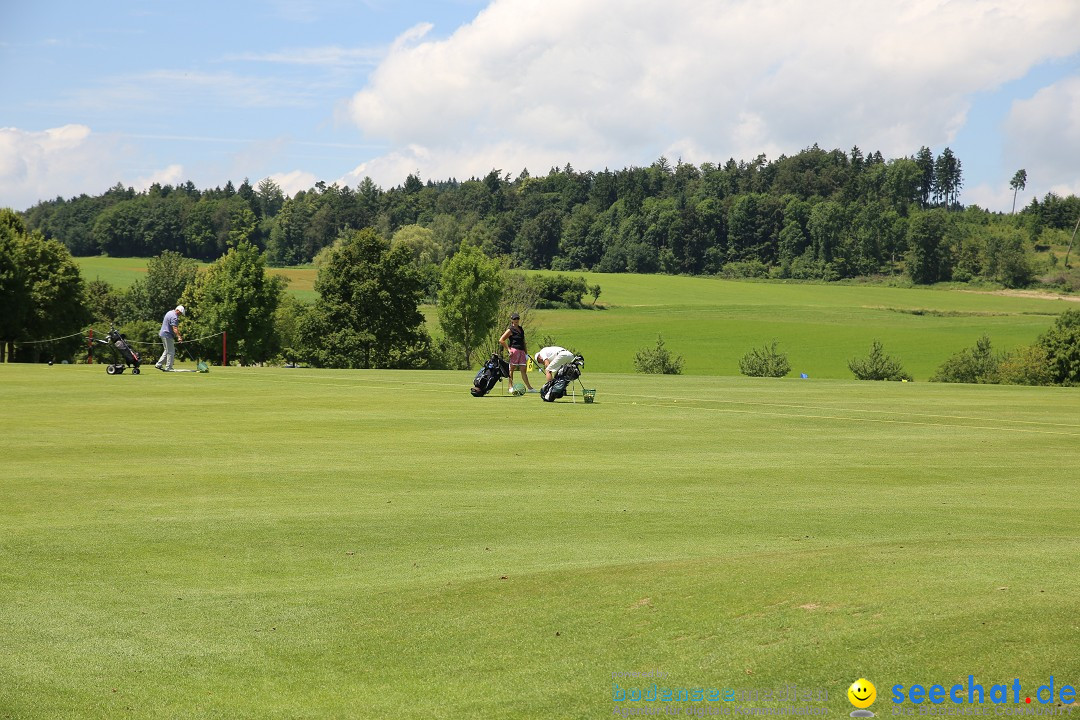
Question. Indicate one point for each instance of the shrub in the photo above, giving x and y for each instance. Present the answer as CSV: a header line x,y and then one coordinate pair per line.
x,y
1062,346
765,362
560,291
744,269
1026,366
1062,279
877,366
977,364
806,268
1007,258
658,360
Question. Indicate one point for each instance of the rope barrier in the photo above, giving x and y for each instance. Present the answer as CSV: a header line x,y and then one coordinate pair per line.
x,y
204,337
154,344
129,342
36,342
90,340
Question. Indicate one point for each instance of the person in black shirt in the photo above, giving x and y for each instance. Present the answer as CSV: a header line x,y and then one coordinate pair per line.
x,y
514,342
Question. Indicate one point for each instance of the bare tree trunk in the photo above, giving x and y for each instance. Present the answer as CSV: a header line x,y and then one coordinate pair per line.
x,y
1071,241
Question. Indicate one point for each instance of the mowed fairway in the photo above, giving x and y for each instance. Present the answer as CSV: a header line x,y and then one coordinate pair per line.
x,y
273,543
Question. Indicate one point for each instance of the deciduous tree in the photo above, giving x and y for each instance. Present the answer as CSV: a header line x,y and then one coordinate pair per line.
x,y
41,292
469,298
167,277
368,311
927,256
235,295
1062,346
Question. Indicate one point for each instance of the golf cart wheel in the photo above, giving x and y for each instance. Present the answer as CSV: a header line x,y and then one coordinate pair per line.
x,y
111,369
134,371
120,369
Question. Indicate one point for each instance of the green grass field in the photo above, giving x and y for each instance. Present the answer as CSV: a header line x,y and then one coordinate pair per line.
x,y
122,272
272,543
712,323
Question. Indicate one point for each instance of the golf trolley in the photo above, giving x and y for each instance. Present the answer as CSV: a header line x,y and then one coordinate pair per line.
x,y
127,355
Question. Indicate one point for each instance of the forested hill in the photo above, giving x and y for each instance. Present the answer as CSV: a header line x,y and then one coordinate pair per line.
x,y
817,214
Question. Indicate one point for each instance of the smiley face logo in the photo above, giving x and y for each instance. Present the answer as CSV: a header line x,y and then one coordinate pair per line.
x,y
862,693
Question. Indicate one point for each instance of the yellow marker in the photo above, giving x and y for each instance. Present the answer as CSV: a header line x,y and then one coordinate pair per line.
x,y
862,693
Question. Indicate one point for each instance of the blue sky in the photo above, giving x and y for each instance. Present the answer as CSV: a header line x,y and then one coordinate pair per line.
x,y
140,92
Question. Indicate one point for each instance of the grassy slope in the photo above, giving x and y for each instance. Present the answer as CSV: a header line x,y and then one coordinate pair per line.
x,y
712,323
287,543
122,272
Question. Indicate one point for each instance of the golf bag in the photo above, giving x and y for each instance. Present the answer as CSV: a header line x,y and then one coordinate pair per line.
x,y
493,370
127,354
564,377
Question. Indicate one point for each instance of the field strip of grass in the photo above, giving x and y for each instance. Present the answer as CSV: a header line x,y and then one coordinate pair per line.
x,y
271,542
708,404
848,418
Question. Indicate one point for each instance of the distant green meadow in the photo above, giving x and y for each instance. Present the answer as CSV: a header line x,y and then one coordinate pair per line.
x,y
280,543
712,323
122,272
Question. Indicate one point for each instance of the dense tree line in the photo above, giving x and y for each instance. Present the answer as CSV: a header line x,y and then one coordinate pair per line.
x,y
367,314
816,215
381,253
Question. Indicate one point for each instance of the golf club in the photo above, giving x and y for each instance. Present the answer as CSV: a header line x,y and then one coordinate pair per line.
x,y
200,365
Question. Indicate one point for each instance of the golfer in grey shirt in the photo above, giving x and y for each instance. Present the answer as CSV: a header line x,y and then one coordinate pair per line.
x,y
168,334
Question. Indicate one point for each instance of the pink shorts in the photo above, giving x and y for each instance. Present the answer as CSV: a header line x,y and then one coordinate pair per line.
x,y
518,357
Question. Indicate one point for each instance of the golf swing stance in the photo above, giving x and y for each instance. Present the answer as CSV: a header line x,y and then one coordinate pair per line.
x,y
170,335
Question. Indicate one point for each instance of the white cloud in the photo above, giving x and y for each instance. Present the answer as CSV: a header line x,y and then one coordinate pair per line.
x,y
1043,137
172,175
611,83
994,197
42,165
64,162
293,182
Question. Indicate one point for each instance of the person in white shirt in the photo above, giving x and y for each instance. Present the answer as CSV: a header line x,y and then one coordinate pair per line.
x,y
552,358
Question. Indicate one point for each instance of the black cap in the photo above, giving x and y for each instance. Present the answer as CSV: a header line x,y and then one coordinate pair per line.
x,y
515,316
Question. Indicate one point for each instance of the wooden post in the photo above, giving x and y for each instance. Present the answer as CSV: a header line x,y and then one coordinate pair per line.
x,y
224,356
1071,242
